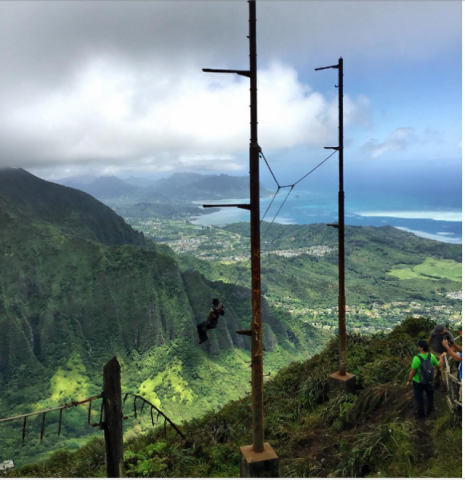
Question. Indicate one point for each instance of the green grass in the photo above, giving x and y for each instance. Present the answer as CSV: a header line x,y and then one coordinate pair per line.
x,y
369,434
70,382
181,392
430,268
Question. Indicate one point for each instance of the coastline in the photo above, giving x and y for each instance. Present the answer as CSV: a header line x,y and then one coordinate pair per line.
x,y
439,225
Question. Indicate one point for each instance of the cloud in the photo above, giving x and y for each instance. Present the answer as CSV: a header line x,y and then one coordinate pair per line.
x,y
118,84
43,43
433,136
399,139
113,113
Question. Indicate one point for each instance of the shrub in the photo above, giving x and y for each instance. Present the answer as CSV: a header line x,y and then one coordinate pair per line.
x,y
337,411
416,326
387,370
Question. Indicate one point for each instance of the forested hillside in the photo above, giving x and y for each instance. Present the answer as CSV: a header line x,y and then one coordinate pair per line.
x,y
79,286
68,304
390,274
370,434
26,200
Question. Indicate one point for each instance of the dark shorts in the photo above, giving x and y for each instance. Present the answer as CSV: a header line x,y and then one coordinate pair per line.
x,y
203,327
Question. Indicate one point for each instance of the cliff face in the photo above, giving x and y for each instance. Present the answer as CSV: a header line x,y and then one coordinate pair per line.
x,y
79,286
60,292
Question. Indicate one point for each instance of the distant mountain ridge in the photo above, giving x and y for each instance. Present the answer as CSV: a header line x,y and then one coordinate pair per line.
x,y
105,188
190,186
177,187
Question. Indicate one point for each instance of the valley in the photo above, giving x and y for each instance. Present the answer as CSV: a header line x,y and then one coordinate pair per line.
x,y
436,293
79,285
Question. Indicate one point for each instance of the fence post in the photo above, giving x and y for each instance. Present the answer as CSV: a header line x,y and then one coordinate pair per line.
x,y
113,423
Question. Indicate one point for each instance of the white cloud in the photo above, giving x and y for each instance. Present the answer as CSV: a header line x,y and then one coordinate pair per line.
x,y
399,139
119,83
113,113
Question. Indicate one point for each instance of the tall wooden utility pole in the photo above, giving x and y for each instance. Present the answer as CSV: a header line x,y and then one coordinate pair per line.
x,y
256,324
342,294
258,459
342,379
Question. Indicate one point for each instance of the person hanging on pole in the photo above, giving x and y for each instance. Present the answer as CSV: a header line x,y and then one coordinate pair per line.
x,y
212,320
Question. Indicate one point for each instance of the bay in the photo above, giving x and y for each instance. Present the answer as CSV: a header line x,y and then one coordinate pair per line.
x,y
417,215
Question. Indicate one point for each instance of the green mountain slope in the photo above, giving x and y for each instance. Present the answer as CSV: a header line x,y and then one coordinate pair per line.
x,y
68,304
370,434
29,199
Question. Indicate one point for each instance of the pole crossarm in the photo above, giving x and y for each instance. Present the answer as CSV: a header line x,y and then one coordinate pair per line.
x,y
61,407
244,206
325,68
244,73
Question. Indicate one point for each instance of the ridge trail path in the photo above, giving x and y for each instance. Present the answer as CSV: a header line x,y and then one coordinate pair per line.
x,y
319,446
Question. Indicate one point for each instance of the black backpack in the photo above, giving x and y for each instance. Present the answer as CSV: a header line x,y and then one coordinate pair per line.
x,y
426,370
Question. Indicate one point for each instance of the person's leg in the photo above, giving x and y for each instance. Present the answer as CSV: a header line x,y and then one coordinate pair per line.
x,y
429,399
437,378
418,394
201,330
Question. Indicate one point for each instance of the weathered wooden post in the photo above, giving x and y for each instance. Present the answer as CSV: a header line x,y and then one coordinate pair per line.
x,y
113,422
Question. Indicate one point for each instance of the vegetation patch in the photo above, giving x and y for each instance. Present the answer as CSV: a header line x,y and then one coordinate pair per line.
x,y
173,384
70,381
430,268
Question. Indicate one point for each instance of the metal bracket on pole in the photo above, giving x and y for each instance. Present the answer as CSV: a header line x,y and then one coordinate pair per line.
x,y
244,332
244,206
334,225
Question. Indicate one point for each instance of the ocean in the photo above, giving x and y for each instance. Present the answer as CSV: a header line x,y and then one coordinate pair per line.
x,y
413,214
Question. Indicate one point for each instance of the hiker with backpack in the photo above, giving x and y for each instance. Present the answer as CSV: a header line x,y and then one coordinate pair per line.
x,y
421,376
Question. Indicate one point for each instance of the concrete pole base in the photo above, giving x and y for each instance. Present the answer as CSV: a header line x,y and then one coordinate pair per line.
x,y
259,465
341,384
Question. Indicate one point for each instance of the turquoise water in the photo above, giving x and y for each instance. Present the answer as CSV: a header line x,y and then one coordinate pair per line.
x,y
421,216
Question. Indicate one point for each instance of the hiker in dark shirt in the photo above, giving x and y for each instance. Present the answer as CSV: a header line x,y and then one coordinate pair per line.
x,y
212,320
438,335
420,382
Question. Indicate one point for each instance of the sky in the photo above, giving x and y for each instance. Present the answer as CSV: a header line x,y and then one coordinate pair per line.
x,y
117,88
